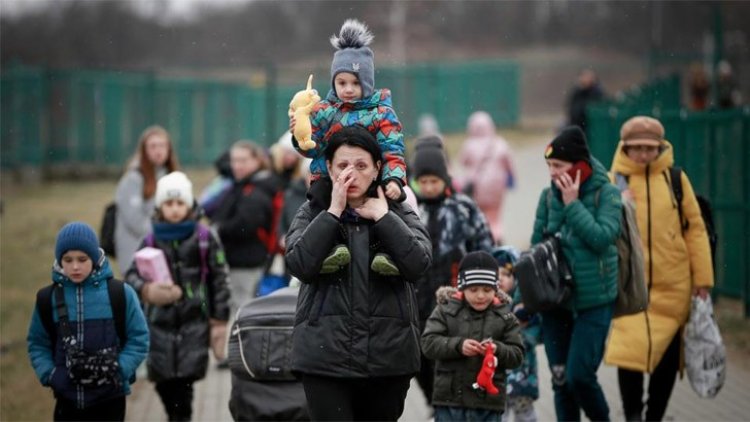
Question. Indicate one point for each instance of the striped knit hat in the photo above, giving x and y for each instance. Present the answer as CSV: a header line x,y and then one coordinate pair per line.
x,y
477,269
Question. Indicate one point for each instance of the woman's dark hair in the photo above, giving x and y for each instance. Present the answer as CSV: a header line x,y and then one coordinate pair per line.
x,y
354,136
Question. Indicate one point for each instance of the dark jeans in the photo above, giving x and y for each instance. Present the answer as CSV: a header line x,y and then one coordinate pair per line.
x,y
110,410
355,399
465,414
660,385
574,343
177,397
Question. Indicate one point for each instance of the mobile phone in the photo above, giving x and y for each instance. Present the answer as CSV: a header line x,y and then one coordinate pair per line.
x,y
583,166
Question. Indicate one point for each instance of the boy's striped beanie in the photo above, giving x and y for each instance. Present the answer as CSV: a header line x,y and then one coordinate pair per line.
x,y
477,268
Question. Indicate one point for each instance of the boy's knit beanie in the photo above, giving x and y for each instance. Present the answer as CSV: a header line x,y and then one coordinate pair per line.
x,y
477,268
353,55
429,160
77,236
569,145
174,185
429,141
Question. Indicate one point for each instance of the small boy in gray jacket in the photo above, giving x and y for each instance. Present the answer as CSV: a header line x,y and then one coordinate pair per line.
x,y
457,336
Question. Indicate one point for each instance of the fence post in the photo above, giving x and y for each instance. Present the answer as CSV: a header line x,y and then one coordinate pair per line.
x,y
271,100
746,166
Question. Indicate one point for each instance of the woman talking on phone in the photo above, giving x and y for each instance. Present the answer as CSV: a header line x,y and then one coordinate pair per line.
x,y
584,208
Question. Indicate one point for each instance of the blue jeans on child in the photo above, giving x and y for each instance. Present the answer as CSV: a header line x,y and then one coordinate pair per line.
x,y
455,414
574,343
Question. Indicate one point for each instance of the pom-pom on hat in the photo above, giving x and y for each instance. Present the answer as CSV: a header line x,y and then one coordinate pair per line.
x,y
77,236
477,269
569,145
642,130
353,55
174,185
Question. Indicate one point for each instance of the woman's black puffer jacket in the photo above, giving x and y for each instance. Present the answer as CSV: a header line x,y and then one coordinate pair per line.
x,y
180,332
355,323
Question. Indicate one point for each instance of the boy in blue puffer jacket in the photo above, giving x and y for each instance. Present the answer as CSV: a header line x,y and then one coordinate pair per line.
x,y
83,361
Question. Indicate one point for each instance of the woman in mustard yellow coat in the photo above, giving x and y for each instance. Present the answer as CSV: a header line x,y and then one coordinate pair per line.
x,y
677,265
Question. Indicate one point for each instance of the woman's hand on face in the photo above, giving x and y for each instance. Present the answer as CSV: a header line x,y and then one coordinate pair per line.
x,y
374,208
569,187
338,193
292,123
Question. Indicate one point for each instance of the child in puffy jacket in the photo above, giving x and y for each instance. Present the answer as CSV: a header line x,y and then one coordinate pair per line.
x,y
457,336
353,100
188,314
74,344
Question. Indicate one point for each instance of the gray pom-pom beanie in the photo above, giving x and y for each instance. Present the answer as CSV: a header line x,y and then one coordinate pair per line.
x,y
353,55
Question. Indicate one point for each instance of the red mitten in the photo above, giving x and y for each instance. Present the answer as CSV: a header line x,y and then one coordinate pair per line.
x,y
484,378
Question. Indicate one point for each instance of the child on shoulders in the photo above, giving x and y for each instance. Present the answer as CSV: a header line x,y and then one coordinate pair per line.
x,y
353,100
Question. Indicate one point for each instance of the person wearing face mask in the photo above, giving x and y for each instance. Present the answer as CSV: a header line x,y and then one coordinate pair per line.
x,y
154,157
356,333
678,264
585,209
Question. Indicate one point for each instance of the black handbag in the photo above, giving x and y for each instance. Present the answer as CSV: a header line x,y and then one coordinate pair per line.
x,y
544,276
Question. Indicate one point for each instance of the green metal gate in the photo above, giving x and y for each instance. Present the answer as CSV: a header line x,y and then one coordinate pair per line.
x,y
82,117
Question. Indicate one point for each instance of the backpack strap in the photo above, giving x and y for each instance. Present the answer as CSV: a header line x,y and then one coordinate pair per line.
x,y
204,234
622,181
116,290
62,311
149,240
44,307
675,179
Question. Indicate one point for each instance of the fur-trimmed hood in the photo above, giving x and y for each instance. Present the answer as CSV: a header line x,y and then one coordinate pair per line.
x,y
445,293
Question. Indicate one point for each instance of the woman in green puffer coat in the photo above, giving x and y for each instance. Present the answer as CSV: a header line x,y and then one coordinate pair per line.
x,y
585,209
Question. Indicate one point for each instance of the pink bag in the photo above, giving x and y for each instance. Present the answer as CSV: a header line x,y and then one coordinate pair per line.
x,y
152,265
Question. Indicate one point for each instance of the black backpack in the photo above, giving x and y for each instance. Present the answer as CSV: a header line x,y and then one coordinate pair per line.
x,y
675,174
107,229
116,291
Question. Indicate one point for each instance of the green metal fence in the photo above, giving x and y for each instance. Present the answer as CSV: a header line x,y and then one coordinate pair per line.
x,y
714,149
51,117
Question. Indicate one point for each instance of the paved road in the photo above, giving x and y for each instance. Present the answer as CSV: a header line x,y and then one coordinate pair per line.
x,y
732,403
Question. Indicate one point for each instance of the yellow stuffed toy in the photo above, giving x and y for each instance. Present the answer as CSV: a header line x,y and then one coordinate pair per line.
x,y
300,107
